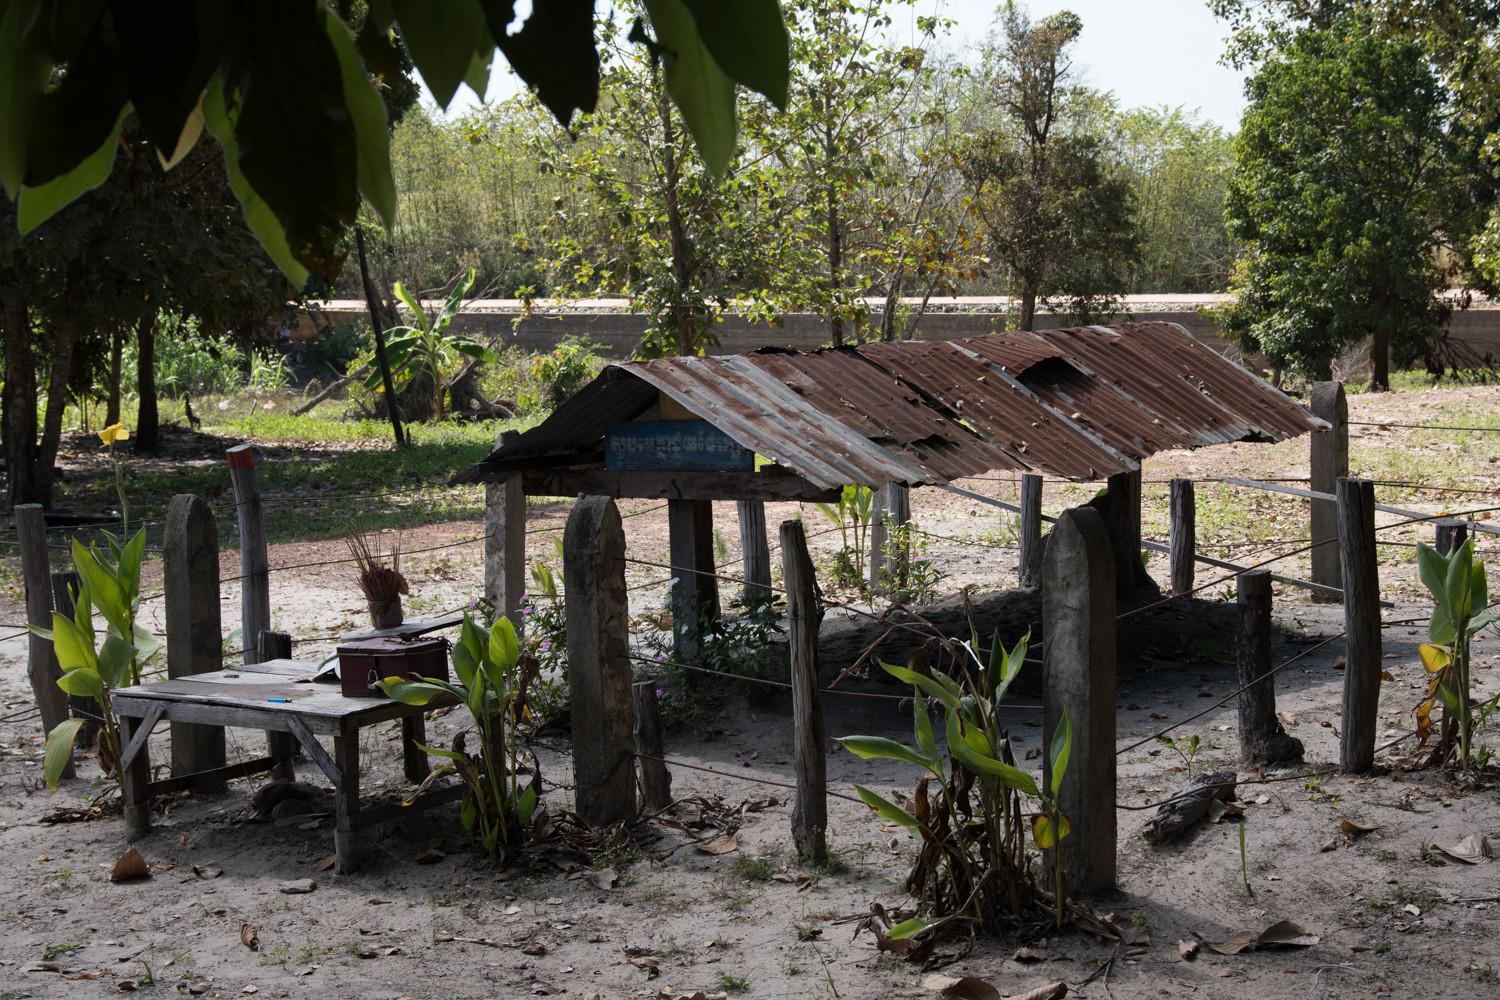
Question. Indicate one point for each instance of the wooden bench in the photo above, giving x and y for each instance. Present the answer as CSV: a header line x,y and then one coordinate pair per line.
x,y
279,697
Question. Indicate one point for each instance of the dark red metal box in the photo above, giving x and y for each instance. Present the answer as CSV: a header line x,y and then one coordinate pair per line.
x,y
362,663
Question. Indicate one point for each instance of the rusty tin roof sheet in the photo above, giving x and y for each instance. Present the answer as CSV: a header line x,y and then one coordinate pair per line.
x,y
1082,403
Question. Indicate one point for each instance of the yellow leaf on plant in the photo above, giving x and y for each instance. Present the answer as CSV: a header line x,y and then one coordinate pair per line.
x,y
113,433
1434,658
1044,834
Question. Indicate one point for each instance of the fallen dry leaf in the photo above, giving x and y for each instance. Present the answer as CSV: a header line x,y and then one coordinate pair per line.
x,y
720,845
248,937
430,856
1188,950
1287,719
1026,953
326,862
1354,829
251,989
1054,991
1332,845
1339,662
306,970
965,988
130,865
1126,930
1472,850
1282,934
207,871
604,878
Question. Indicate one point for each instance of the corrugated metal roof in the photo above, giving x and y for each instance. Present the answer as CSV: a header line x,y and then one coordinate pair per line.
x,y
1082,403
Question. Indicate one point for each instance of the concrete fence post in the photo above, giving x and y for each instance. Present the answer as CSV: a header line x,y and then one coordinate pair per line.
x,y
190,579
1362,650
1328,461
1078,672
599,662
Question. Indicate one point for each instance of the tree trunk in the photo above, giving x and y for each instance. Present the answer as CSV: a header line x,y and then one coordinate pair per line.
x,y
64,337
682,314
1028,305
116,349
147,420
1380,358
835,239
19,404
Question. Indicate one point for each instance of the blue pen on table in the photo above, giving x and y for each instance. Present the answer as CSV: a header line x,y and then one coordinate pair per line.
x,y
282,701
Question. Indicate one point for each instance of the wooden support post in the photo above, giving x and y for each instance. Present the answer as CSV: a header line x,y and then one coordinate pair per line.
x,y
1451,533
135,779
695,595
804,608
283,746
505,544
1120,509
65,588
1328,460
255,585
1031,527
190,579
346,846
41,664
598,662
1362,650
891,510
1263,740
1183,536
754,548
651,746
1078,673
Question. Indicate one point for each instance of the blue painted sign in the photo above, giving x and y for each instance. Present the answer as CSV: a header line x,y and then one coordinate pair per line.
x,y
672,444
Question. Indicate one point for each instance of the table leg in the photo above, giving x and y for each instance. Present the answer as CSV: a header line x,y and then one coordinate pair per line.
x,y
135,784
346,795
283,749
413,733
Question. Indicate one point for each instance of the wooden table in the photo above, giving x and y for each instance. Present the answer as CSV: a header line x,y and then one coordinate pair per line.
x,y
279,697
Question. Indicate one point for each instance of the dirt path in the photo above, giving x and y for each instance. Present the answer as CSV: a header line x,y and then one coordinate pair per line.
x,y
1389,923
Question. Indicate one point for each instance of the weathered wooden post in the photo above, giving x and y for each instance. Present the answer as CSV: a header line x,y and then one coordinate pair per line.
x,y
804,609
41,664
1328,461
1362,650
278,646
1263,740
65,589
1078,674
255,585
505,542
1031,526
651,746
1120,508
695,592
598,662
754,548
890,511
1450,534
190,579
1183,536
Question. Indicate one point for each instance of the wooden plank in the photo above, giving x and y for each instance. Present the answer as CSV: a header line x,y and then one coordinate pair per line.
x,y
315,750
1031,528
646,445
215,778
1328,454
411,627
41,664
345,796
135,780
651,746
891,511
148,722
384,812
804,617
1263,740
684,485
1362,649
1182,535
190,579
275,650
695,590
1316,495
505,545
754,548
255,583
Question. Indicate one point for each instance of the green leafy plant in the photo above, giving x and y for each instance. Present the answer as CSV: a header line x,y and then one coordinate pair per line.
x,y
558,374
492,684
909,575
429,346
1460,595
851,513
110,580
743,641
1186,747
973,863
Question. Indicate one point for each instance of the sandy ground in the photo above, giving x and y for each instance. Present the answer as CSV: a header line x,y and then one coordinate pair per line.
x,y
1389,922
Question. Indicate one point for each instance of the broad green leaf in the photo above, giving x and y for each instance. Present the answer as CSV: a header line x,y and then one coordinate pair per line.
x,y
410,301
74,650
1460,578
105,591
84,683
441,38
880,748
1062,748
922,722
473,350
886,809
440,752
371,131
192,130
128,571
146,644
526,804
464,664
923,683
702,91
1011,777
258,215
469,813
1433,569
505,651
749,42
115,657
1441,629
907,928
1450,700
25,66
409,692
1042,830
476,693
35,205
1479,588
1480,620
59,749
454,302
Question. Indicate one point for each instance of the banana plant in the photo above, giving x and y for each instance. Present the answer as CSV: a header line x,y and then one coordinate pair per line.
x,y
429,345
852,514
1460,596
492,683
974,744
